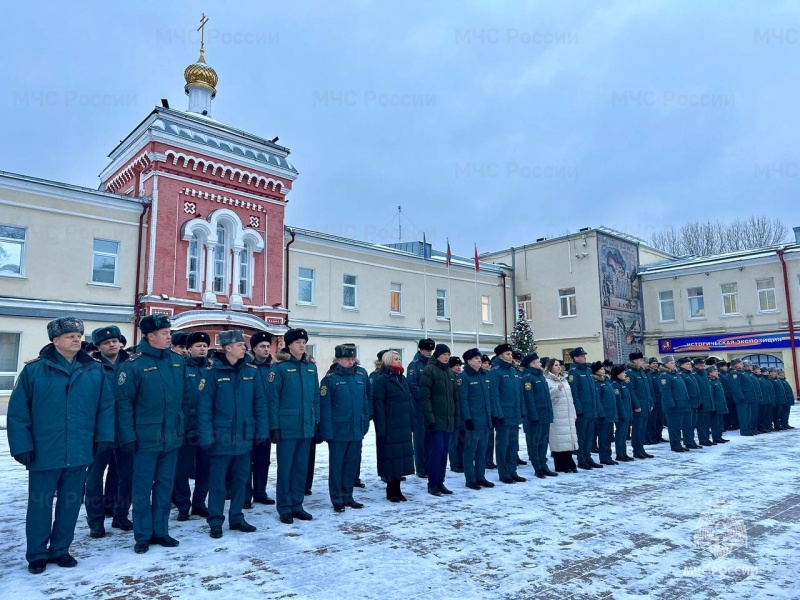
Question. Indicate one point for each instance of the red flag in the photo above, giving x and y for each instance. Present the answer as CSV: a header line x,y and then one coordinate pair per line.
x,y
449,254
477,263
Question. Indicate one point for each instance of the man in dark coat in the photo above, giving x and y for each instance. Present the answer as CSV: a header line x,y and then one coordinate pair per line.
x,y
538,414
394,421
584,397
191,456
231,415
742,393
720,406
149,399
507,388
622,393
607,403
437,391
675,402
706,408
477,406
413,373
60,413
693,389
642,402
107,340
256,490
655,422
344,408
293,401
789,399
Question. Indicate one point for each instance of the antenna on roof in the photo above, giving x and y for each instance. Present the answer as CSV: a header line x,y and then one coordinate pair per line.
x,y
399,223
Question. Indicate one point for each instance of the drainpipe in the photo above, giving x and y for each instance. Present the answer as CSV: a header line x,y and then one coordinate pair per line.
x,y
514,280
790,319
286,279
136,303
505,309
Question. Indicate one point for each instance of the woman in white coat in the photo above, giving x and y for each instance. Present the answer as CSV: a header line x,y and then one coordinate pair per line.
x,y
563,437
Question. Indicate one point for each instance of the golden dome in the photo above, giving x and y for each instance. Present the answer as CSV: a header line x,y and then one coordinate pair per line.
x,y
200,74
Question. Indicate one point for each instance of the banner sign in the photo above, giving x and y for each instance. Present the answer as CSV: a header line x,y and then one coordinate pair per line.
x,y
741,341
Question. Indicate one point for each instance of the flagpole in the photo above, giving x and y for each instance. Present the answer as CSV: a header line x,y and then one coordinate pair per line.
x,y
478,314
425,283
450,297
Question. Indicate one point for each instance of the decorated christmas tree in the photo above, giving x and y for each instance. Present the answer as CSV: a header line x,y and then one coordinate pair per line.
x,y
522,336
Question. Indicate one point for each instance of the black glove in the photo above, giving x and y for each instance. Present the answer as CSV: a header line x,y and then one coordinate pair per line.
x,y
469,424
431,425
274,435
262,441
25,458
129,447
317,434
101,447
498,420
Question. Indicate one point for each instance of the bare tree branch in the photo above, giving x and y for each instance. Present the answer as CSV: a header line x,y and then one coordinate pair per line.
x,y
704,238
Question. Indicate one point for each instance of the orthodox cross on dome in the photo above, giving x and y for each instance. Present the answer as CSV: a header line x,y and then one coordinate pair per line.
x,y
201,29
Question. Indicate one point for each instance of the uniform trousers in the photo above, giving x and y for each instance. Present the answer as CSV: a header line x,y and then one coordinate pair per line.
x,y
40,527
506,448
343,461
292,472
584,427
475,442
153,480
239,465
95,498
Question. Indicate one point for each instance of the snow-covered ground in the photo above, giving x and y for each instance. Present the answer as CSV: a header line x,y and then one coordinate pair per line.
x,y
723,522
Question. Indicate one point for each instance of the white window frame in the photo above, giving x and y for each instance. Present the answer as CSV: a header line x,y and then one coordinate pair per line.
x,y
701,312
310,350
567,303
23,243
486,309
662,302
198,270
526,302
353,285
311,280
441,296
224,251
734,295
399,351
766,293
12,375
101,254
244,285
396,291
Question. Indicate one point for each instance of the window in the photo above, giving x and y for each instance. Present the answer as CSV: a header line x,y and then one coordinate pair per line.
x,y
12,250
220,255
525,304
193,265
567,306
396,298
399,352
349,291
305,286
666,306
765,360
104,262
441,304
311,350
766,294
486,309
730,298
244,272
9,359
697,308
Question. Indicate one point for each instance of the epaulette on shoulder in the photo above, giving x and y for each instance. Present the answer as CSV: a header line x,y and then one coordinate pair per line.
x,y
134,356
251,365
33,360
329,374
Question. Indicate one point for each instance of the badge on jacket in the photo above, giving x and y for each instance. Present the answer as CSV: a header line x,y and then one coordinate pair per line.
x,y
202,385
122,377
571,378
272,376
528,386
663,382
323,390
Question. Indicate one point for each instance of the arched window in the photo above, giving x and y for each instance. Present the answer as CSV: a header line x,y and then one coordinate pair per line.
x,y
194,273
765,360
220,261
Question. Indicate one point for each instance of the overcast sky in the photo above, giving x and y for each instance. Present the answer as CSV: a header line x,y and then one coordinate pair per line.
x,y
488,122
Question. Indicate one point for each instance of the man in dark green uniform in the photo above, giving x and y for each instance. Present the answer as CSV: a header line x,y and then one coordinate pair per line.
x,y
293,402
149,397
60,412
674,401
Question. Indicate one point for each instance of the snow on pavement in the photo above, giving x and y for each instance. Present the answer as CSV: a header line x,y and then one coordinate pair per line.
x,y
723,522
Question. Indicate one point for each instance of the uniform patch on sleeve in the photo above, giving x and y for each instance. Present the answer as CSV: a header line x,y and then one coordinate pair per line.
x,y
410,372
627,379
121,378
571,378
272,376
202,385
323,390
528,386
459,381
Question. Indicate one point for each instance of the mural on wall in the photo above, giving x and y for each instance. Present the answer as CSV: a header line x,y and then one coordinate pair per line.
x,y
620,298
